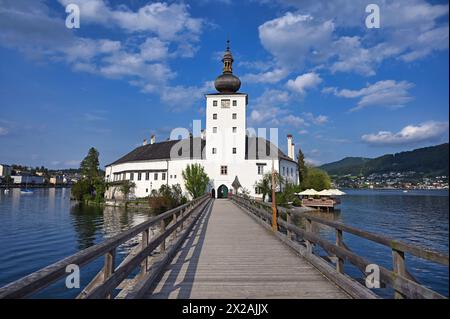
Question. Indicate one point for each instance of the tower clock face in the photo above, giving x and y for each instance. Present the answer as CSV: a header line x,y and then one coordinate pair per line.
x,y
225,103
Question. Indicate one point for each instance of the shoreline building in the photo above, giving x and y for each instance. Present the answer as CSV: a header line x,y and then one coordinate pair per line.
x,y
28,179
5,170
232,155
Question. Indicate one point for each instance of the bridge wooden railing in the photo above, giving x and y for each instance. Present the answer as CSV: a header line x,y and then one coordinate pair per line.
x,y
304,239
174,223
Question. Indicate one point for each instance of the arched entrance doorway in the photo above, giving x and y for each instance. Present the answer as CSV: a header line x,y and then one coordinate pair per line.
x,y
222,191
213,193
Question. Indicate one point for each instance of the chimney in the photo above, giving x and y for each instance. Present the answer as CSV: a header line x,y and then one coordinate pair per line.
x,y
289,146
152,139
293,151
145,142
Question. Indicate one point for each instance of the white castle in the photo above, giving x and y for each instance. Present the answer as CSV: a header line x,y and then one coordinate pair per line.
x,y
233,156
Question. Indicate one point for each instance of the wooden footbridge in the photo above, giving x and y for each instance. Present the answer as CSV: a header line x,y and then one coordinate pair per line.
x,y
227,249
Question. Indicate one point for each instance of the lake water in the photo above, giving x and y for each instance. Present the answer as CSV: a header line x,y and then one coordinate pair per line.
x,y
41,228
419,217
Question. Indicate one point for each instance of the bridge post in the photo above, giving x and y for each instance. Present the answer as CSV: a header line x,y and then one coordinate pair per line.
x,y
109,265
174,221
398,261
163,229
145,238
288,221
182,213
339,243
308,230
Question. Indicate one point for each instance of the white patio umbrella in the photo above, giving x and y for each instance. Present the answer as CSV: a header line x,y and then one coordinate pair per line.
x,y
337,192
326,192
309,192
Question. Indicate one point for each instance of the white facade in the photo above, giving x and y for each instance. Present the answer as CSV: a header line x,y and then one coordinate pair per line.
x,y
5,170
224,155
228,152
28,179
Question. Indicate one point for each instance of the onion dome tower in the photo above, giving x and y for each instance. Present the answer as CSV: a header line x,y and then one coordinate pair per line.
x,y
227,82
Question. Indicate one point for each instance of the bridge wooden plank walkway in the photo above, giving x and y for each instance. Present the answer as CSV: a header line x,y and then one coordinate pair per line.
x,y
227,249
228,255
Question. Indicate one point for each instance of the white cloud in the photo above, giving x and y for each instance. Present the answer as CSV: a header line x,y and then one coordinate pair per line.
x,y
271,108
304,82
3,131
273,97
312,161
396,13
254,65
167,21
411,134
388,93
353,57
269,116
318,120
182,97
153,49
268,107
312,32
156,34
293,38
293,121
272,76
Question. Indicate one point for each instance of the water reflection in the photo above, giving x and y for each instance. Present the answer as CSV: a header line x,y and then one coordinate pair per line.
x,y
87,221
331,216
95,223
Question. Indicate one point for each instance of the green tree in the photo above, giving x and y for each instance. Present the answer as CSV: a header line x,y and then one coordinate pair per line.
x,y
265,184
99,188
195,180
126,187
317,179
301,166
91,185
166,198
81,189
90,165
264,187
245,192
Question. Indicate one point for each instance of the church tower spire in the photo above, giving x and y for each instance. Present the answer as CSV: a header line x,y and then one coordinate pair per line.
x,y
227,82
227,60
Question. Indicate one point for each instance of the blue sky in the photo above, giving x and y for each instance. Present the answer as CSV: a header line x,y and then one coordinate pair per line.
x,y
133,68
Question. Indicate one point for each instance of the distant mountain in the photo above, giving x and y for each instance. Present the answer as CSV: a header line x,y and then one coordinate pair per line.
x,y
431,160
